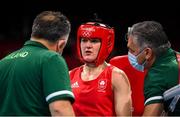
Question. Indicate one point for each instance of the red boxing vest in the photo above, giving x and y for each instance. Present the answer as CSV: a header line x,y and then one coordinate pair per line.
x,y
136,79
95,97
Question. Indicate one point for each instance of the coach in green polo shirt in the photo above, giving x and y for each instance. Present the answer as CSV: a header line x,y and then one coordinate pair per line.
x,y
34,80
149,49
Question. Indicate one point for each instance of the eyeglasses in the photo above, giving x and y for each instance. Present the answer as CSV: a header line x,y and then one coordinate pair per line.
x,y
126,37
141,50
128,33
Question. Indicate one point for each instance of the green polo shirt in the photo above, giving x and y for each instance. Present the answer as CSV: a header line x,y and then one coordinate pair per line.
x,y
31,78
162,76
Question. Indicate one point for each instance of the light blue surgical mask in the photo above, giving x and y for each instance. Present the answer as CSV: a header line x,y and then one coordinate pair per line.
x,y
133,61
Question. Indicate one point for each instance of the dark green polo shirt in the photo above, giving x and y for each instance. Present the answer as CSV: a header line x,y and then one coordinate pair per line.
x,y
162,76
31,78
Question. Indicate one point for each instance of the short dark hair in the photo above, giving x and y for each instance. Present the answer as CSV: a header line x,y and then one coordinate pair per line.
x,y
50,25
151,34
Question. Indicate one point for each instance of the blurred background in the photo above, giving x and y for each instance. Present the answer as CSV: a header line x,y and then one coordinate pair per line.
x,y
16,21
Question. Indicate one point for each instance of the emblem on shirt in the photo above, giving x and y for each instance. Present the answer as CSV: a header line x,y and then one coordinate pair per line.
x,y
75,85
102,83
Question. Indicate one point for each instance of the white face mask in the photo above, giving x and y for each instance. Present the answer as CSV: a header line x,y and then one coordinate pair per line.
x,y
133,61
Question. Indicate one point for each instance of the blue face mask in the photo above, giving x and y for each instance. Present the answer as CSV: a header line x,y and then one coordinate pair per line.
x,y
133,61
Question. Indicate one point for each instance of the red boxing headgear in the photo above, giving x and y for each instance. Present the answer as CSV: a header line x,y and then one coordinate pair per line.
x,y
101,31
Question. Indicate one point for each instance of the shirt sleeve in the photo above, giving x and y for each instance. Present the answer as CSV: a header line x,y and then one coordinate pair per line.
x,y
154,88
56,81
162,76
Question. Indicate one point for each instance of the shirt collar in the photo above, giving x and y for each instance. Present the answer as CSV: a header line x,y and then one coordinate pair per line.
x,y
35,43
168,54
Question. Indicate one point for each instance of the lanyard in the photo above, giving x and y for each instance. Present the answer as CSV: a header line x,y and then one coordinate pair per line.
x,y
176,98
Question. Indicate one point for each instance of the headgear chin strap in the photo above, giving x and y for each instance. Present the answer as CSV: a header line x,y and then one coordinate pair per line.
x,y
96,30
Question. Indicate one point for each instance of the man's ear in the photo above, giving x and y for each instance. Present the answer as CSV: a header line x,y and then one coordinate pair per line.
x,y
149,53
61,44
